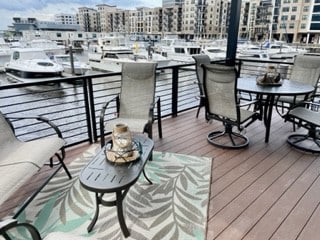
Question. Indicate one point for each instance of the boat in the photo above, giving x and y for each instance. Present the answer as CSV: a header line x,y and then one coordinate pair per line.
x,y
32,64
281,50
215,49
111,60
5,54
48,46
79,68
110,52
178,50
252,52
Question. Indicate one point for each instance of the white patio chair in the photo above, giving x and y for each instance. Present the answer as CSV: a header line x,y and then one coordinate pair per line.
x,y
20,160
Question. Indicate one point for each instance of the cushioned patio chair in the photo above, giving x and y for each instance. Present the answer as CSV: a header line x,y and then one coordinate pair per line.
x,y
306,69
136,103
222,104
199,60
307,115
20,160
8,226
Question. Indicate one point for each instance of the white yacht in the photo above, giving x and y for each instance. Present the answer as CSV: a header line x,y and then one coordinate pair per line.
x,y
32,64
252,52
79,68
281,50
178,50
48,46
5,54
110,52
215,49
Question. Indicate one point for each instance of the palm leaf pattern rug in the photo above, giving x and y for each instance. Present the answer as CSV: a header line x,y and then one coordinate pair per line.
x,y
173,207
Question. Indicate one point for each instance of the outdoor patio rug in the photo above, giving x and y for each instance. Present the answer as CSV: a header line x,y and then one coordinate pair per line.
x,y
173,207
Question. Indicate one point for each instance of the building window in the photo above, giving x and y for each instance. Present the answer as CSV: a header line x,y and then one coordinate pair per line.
x,y
303,26
291,25
315,26
316,18
306,8
285,9
294,9
293,17
284,18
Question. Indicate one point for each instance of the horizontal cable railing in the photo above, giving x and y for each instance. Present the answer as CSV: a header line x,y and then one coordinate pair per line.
x,y
74,103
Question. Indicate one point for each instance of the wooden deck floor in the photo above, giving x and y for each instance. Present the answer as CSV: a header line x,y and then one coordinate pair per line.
x,y
265,191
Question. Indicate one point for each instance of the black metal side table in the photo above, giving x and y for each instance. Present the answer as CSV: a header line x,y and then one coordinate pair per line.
x,y
102,176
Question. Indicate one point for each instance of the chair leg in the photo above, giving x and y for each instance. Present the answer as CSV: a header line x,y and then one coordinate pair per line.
x,y
237,139
201,104
308,142
159,118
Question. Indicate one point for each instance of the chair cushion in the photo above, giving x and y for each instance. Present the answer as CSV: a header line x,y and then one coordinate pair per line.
x,y
306,115
19,161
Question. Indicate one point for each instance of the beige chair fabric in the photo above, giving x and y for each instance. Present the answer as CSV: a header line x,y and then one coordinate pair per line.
x,y
20,160
199,60
136,99
306,69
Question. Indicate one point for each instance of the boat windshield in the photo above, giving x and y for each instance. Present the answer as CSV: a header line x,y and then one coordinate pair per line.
x,y
29,55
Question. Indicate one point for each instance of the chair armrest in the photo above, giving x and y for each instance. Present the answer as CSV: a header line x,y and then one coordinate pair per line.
x,y
8,224
247,103
102,114
38,118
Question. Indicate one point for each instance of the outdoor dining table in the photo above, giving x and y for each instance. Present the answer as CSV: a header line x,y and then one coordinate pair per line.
x,y
269,93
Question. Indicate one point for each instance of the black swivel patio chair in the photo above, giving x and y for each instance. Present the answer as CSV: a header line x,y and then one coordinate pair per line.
x,y
307,115
305,69
222,104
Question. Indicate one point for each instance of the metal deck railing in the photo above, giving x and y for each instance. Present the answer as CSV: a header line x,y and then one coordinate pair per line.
x,y
74,103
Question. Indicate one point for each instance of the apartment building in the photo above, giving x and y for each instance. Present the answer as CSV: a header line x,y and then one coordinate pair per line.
x,y
65,18
172,19
206,18
89,19
287,20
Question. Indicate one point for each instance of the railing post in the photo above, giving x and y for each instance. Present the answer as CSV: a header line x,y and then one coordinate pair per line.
x,y
90,111
175,85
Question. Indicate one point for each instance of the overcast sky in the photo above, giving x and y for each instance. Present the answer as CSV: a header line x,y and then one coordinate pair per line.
x,y
45,9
